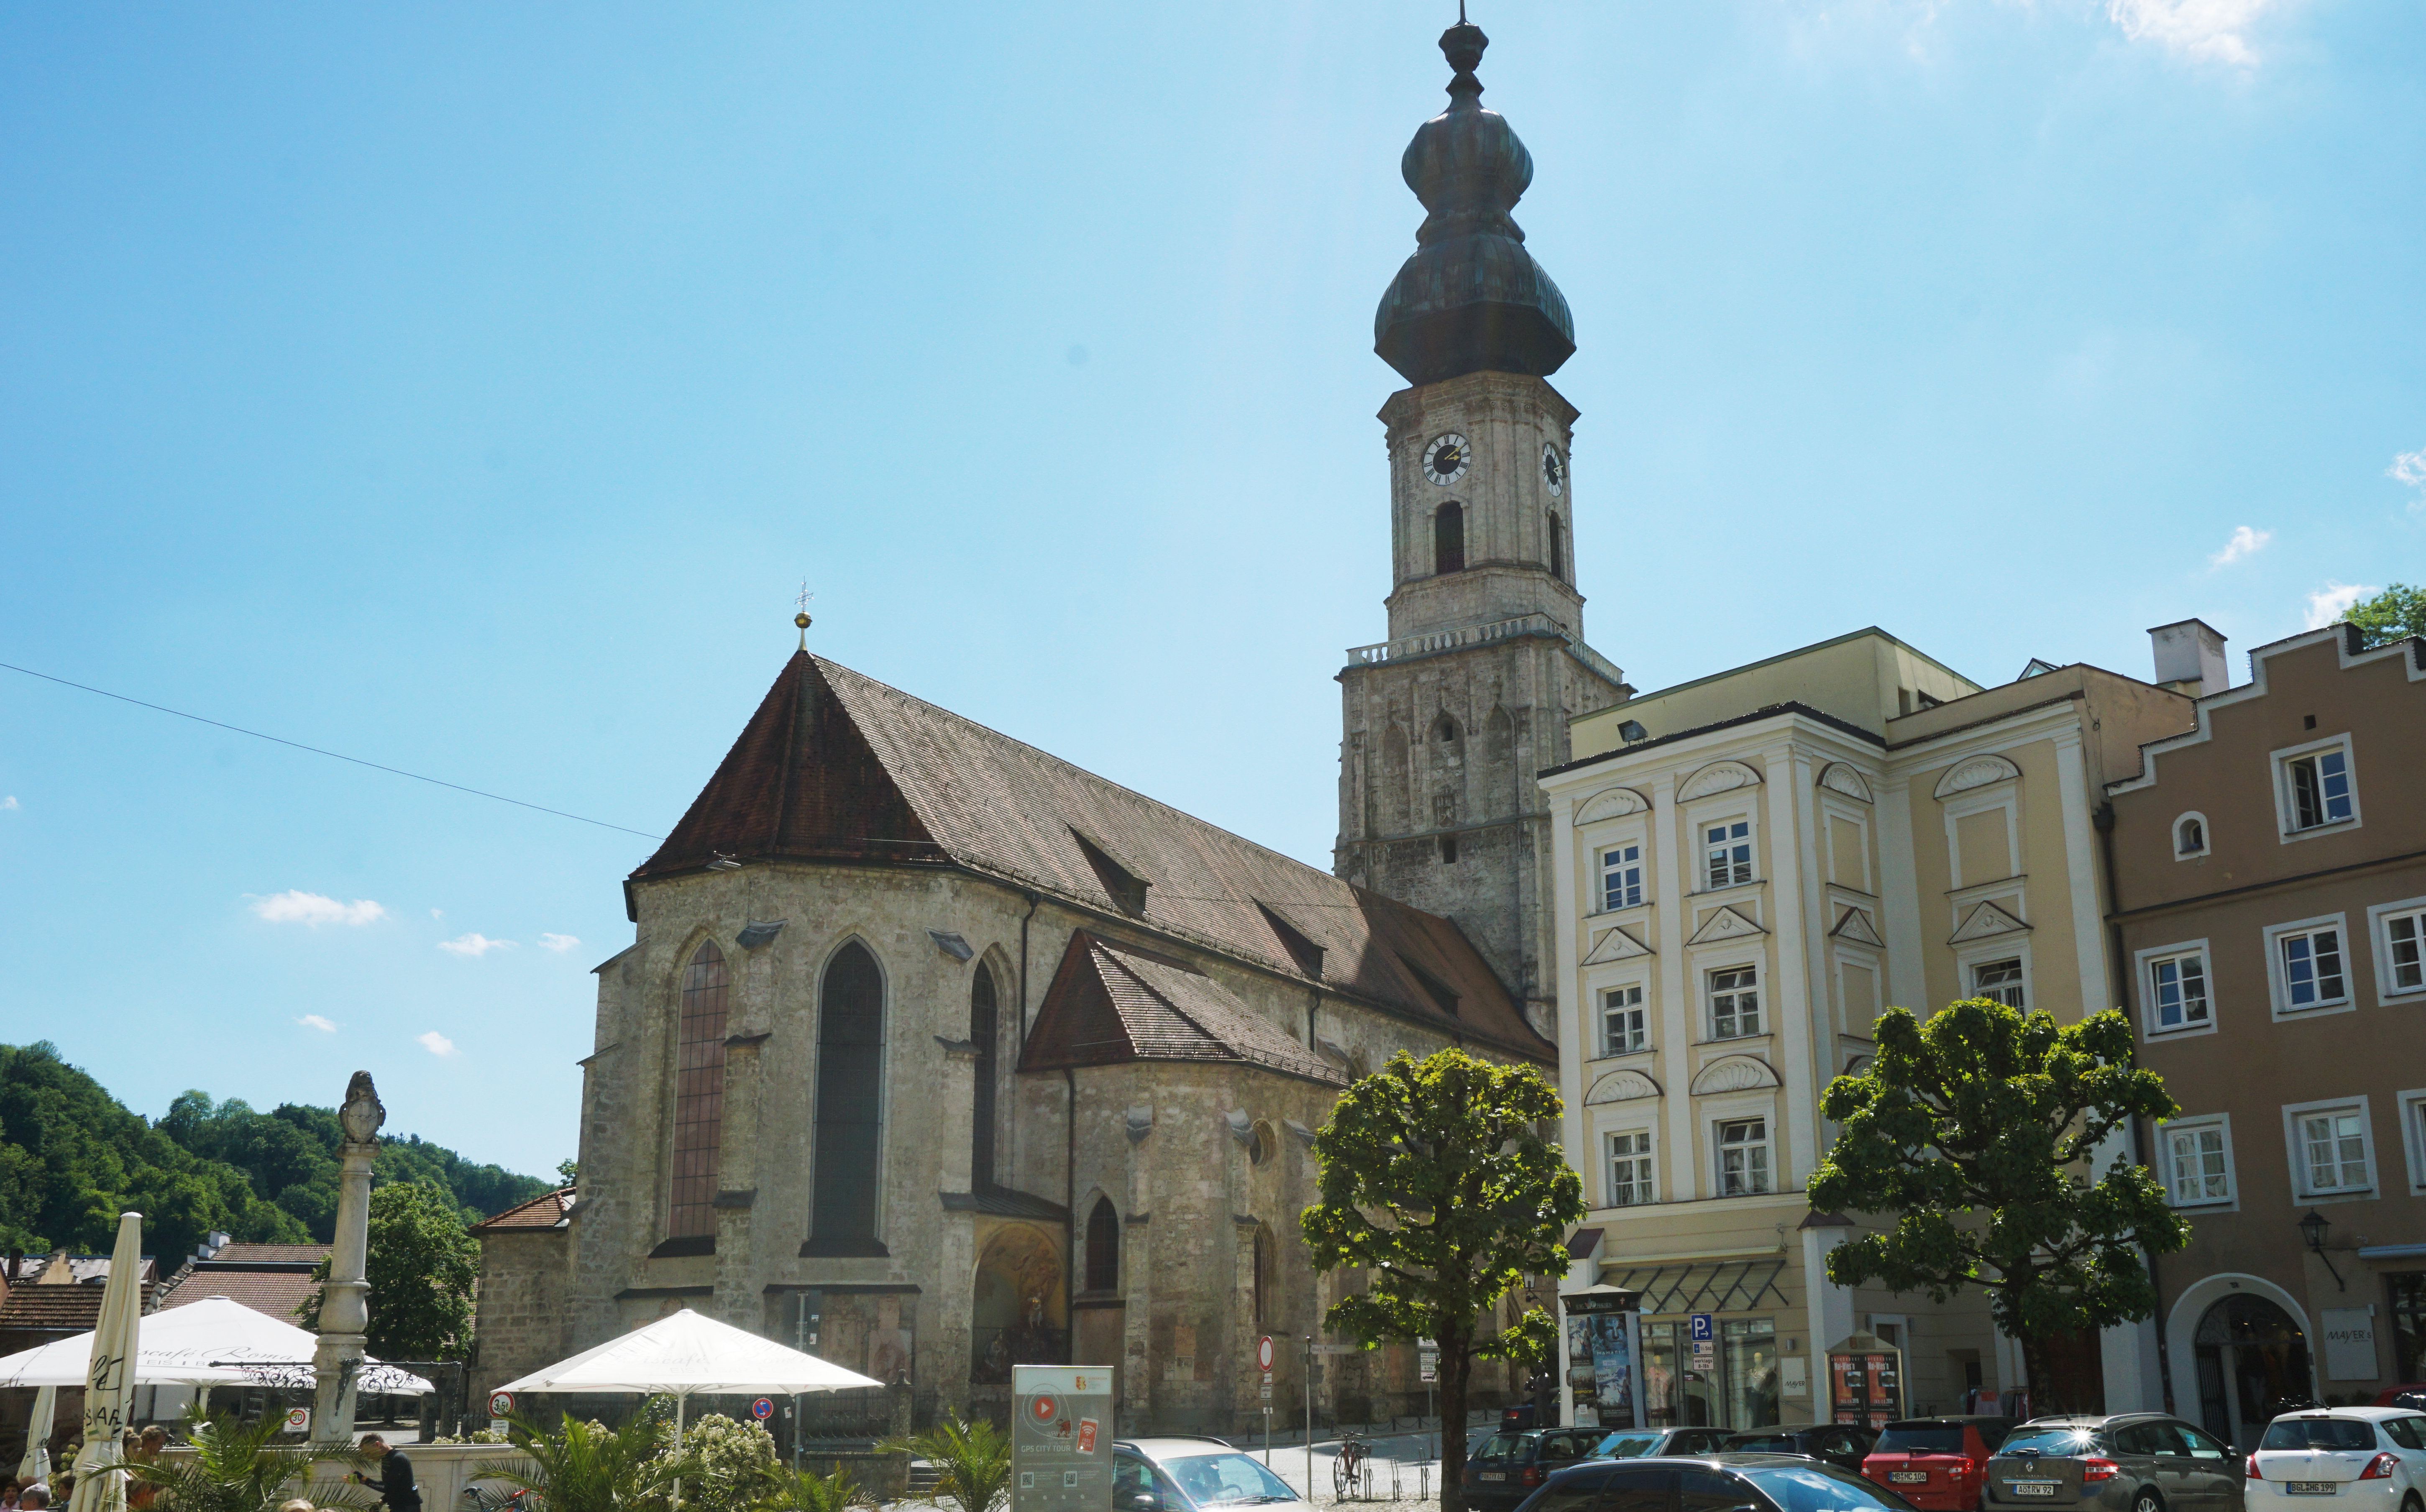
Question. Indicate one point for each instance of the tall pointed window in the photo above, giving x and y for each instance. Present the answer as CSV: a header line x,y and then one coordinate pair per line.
x,y
1104,1247
1267,1263
850,1104
1557,547
1449,538
982,1029
699,1093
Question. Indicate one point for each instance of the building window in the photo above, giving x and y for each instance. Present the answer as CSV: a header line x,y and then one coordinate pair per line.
x,y
1748,1359
2311,964
1263,1262
2408,1289
850,1105
984,1026
1104,1247
2332,1149
1735,1003
1999,980
1622,1031
1629,1168
1729,848
2178,991
2199,1155
2413,1134
2190,835
1743,1157
699,1093
1557,547
1449,850
2401,948
1448,538
1621,877
2316,788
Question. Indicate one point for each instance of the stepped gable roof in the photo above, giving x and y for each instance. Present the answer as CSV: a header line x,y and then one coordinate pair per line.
x,y
835,765
546,1210
1111,1004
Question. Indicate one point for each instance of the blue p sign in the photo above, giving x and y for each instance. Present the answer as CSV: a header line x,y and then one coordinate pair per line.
x,y
1703,1329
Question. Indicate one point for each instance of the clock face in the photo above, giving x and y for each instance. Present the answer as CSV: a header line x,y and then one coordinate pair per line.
x,y
1445,458
1553,468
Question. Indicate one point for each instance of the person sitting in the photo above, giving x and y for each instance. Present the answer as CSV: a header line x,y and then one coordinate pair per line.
x,y
34,1498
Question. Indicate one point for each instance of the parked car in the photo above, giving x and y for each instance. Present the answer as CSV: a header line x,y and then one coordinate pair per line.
x,y
2412,1395
2126,1462
1184,1475
1635,1443
2367,1459
1763,1483
1506,1468
1937,1464
1842,1444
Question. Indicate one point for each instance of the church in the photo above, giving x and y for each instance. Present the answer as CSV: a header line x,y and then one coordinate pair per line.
x,y
934,1053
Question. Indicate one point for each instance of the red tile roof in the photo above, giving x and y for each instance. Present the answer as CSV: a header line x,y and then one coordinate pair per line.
x,y
273,1254
835,765
61,1309
277,1292
546,1211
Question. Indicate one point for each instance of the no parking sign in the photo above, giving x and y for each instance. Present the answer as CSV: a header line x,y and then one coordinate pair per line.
x,y
761,1409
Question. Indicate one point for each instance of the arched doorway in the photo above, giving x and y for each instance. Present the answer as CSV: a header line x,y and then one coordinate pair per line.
x,y
1017,1316
2253,1363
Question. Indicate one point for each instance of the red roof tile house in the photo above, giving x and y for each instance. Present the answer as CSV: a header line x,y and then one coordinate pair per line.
x,y
270,1278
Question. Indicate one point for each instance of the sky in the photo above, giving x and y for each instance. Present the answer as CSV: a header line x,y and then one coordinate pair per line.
x,y
469,389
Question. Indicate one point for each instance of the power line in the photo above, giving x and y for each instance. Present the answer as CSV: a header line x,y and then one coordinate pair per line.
x,y
316,751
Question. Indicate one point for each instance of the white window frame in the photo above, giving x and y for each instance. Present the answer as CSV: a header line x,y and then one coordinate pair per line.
x,y
1646,1160
2144,966
1601,855
2287,805
2379,939
2412,1104
2295,1142
1765,1146
2278,971
2022,968
2206,836
1749,841
1603,1047
1710,1003
2216,1124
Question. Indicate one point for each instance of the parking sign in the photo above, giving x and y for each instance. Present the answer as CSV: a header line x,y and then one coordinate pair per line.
x,y
1704,1328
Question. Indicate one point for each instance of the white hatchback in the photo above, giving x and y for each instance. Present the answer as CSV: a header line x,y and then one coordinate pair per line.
x,y
2365,1458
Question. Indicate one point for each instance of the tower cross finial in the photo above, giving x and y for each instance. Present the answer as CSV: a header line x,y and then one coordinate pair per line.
x,y
801,618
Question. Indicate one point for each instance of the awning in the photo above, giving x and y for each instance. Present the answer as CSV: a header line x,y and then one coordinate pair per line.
x,y
1724,1286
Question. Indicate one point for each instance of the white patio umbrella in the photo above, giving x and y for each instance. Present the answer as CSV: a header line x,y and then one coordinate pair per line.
x,y
214,1341
109,1382
36,1466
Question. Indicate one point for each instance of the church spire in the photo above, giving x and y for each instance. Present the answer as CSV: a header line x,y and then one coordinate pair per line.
x,y
1471,299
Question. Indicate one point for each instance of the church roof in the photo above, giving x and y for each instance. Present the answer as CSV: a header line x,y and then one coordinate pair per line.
x,y
1108,1004
835,765
546,1211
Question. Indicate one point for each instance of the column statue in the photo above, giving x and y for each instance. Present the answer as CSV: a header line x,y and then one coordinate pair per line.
x,y
344,1298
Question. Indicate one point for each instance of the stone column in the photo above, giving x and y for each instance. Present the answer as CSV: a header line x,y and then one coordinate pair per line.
x,y
345,1297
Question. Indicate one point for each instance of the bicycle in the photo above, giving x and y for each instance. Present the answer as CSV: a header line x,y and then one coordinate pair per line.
x,y
1347,1471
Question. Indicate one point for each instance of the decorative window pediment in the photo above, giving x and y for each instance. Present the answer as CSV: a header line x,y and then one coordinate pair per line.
x,y
1622,1086
1734,1073
1978,771
1718,776
1985,922
1724,924
1615,944
1856,926
1611,803
1839,778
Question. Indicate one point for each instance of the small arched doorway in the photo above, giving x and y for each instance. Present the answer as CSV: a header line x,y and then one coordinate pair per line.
x,y
1018,1315
2253,1363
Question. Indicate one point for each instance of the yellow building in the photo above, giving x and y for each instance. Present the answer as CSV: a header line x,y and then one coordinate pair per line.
x,y
1751,867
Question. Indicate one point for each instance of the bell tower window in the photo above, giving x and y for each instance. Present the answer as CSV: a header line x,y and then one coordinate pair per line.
x,y
1557,547
1448,538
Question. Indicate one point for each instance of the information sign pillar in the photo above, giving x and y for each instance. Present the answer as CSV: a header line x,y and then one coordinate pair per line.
x,y
1061,1432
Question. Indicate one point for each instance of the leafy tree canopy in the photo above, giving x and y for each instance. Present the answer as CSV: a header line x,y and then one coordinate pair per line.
x,y
421,1265
1978,1133
1437,1185
2395,614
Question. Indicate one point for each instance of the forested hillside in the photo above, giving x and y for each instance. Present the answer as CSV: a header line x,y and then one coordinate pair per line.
x,y
72,1158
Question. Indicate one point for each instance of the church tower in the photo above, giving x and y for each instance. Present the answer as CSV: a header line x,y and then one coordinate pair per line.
x,y
1448,720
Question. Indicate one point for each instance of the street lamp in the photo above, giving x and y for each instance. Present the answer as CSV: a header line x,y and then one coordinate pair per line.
x,y
2312,1229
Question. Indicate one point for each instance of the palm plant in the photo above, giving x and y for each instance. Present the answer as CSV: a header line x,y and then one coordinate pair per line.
x,y
237,1469
803,1491
972,1461
588,1466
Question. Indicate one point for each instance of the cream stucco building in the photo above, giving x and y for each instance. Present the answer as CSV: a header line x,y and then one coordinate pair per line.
x,y
1750,867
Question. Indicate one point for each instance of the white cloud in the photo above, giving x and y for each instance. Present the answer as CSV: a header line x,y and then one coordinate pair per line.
x,y
2244,542
436,1043
312,1021
438,913
9,801
2409,466
474,945
298,906
559,944
2196,28
2334,600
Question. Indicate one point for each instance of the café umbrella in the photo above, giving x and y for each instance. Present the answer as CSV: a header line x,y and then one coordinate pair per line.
x,y
36,1466
109,1378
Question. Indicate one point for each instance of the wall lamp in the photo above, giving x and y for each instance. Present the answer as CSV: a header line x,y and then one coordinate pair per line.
x,y
2312,1229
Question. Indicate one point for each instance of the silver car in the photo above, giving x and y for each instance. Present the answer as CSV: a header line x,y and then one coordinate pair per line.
x,y
1642,1444
2129,1462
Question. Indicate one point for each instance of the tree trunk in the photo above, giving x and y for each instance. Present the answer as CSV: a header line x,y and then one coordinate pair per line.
x,y
1456,1369
2040,1374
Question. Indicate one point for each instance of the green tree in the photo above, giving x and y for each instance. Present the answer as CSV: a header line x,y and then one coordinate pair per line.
x,y
2395,614
421,1266
972,1462
1978,1133
587,1467
1437,1185
567,1172
235,1468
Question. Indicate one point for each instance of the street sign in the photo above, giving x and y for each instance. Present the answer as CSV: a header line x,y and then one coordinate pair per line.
x,y
1061,1439
1704,1328
501,1404
1339,1349
1267,1389
299,1419
761,1409
1264,1355
1428,1360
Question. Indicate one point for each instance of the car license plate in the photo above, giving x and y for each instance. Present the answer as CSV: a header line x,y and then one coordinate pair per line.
x,y
1908,1478
2030,1488
2311,1487
1494,1476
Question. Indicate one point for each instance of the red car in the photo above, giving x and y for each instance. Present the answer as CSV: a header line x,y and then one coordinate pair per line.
x,y
1937,1464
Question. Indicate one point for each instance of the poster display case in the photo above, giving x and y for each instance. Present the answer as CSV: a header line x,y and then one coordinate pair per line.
x,y
1601,1350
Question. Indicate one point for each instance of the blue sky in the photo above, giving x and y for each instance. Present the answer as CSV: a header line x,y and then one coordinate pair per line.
x,y
469,388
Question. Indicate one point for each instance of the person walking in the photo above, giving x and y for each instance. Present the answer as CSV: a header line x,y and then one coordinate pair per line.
x,y
395,1486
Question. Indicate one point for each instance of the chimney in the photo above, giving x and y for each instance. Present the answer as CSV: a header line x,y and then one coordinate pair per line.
x,y
2190,658
16,1264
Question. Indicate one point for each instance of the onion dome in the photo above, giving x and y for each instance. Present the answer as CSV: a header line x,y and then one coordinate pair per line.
x,y
1471,297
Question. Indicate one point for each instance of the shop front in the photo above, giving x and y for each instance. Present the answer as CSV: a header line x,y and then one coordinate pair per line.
x,y
1736,1373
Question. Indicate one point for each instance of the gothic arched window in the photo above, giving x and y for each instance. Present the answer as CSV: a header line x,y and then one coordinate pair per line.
x,y
982,1029
1266,1263
1104,1247
1557,547
699,1093
1449,538
850,1104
